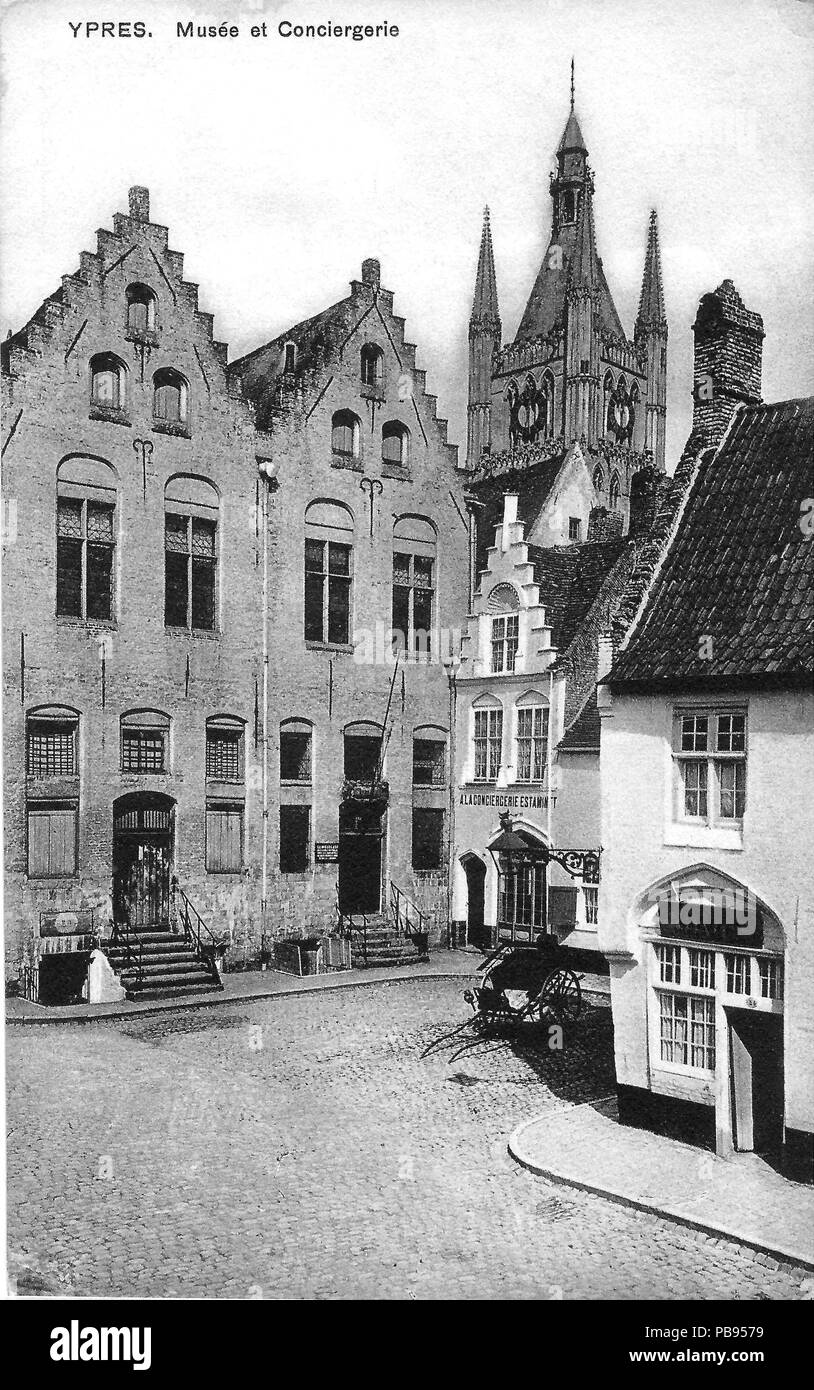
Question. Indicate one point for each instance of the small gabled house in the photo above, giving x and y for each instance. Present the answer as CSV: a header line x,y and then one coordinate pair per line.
x,y
706,910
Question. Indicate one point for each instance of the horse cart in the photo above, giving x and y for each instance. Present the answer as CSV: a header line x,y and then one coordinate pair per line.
x,y
525,984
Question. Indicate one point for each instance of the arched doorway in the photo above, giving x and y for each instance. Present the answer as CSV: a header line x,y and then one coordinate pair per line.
x,y
143,830
477,933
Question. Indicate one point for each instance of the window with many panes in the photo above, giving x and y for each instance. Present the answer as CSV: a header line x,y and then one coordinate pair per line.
x,y
710,758
687,979
532,743
327,591
144,741
429,762
428,838
190,571
488,744
224,750
687,1030
85,558
413,590
51,747
505,638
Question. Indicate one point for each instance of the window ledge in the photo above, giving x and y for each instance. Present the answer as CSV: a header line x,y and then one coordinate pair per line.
x,y
330,647
704,836
112,414
175,427
341,461
295,782
397,470
91,624
148,336
204,633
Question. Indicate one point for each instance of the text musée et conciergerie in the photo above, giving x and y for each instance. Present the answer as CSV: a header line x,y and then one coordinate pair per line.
x,y
288,30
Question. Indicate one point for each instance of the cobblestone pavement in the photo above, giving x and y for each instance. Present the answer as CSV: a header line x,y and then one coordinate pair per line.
x,y
306,1148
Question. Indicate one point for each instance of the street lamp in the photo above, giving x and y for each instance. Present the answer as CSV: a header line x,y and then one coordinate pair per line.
x,y
512,854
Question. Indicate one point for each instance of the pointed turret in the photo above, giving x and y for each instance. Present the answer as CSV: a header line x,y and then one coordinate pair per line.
x,y
651,299
484,341
484,303
651,339
584,268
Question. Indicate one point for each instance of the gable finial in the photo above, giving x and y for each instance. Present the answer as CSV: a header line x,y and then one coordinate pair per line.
x,y
572,84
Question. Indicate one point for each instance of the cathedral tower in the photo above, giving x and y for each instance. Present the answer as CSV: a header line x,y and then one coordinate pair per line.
x,y
651,338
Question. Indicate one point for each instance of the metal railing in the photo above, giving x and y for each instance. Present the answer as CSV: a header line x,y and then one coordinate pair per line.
x,y
408,919
195,929
350,923
129,942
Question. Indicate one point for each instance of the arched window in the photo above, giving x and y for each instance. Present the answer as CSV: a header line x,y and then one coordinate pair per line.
x,y
613,492
607,404
86,539
395,443
141,306
505,629
328,572
363,751
108,380
51,743
633,432
145,741
345,434
52,787
372,365
487,733
532,737
224,748
429,756
599,479
190,552
296,751
170,397
414,547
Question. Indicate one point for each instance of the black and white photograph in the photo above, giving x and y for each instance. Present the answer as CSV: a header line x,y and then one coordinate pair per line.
x,y
408,663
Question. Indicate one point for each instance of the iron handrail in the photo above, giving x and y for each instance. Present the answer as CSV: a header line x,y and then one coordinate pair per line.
x,y
349,923
121,936
193,924
405,924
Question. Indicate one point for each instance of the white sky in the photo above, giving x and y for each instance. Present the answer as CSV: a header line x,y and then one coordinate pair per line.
x,y
278,165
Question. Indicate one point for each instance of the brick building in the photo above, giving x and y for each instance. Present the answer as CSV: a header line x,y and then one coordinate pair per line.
x,y
368,545
130,611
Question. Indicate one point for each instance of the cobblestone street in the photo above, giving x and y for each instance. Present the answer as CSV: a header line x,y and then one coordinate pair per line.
x,y
303,1147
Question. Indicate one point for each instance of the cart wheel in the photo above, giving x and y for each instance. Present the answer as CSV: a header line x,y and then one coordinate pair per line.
x,y
563,995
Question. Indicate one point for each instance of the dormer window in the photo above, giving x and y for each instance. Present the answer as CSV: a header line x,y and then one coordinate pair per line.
x,y
141,305
505,628
170,398
107,382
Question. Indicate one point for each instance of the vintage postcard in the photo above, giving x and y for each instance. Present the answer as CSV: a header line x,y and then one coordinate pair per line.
x,y
408,657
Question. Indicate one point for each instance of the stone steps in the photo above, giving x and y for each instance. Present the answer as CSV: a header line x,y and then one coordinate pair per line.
x,y
169,966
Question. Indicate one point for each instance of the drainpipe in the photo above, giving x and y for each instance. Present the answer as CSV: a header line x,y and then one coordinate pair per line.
x,y
451,666
268,472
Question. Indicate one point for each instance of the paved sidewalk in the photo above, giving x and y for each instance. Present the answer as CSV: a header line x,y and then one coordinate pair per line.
x,y
268,984
740,1199
249,984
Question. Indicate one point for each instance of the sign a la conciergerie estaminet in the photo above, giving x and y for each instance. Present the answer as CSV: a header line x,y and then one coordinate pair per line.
x,y
515,801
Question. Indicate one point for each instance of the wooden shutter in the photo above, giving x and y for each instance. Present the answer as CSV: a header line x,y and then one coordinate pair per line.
x,y
52,842
562,906
224,825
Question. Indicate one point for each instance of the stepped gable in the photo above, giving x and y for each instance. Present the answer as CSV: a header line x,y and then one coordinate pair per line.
x,y
60,317
321,342
740,566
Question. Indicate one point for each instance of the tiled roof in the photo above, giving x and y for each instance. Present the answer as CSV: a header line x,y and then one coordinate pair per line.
x,y
569,579
583,735
734,598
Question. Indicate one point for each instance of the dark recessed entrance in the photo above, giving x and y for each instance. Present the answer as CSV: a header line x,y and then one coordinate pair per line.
x,y
142,859
477,934
360,857
756,1080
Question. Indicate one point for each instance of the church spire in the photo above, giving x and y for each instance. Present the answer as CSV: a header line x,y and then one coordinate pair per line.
x,y
651,300
572,83
572,140
484,303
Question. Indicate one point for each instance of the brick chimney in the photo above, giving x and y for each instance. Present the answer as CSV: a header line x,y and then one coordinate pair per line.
x,y
371,273
728,360
140,204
